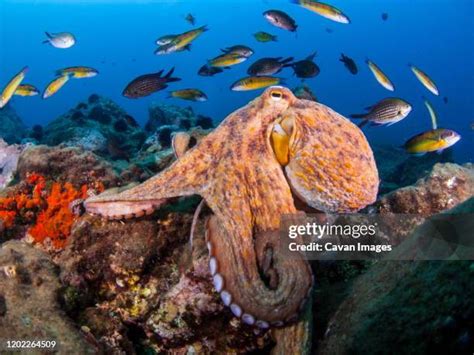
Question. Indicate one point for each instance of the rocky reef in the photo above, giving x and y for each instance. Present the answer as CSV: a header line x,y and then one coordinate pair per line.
x,y
97,125
12,128
141,286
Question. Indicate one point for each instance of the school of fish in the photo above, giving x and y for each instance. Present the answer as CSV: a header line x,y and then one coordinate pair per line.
x,y
261,74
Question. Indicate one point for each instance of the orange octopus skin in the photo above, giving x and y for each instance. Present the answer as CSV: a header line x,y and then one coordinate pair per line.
x,y
234,169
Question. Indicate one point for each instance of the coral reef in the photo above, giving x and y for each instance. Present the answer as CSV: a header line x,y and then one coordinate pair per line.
x,y
98,125
29,307
12,128
9,155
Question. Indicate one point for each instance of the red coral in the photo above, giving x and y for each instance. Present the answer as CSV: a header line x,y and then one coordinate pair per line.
x,y
46,210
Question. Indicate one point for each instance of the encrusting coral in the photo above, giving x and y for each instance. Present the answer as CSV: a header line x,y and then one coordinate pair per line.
x,y
44,208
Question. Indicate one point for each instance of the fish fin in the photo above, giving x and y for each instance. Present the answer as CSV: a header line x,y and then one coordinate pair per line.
x,y
159,74
48,35
187,47
168,75
312,56
46,41
362,124
358,115
204,28
368,108
227,68
376,124
440,151
287,61
225,50
417,154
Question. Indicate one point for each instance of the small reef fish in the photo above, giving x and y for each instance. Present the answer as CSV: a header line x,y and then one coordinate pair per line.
x,y
268,66
239,49
54,86
181,42
425,80
384,16
189,94
206,70
26,90
349,64
325,10
434,140
306,68
227,60
165,39
78,72
265,37
255,83
12,86
148,84
186,38
62,40
281,19
380,76
171,48
433,115
191,19
385,112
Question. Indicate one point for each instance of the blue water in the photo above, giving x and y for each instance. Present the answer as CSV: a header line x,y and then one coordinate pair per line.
x,y
117,38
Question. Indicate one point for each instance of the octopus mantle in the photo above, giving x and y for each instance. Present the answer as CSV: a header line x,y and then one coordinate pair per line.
x,y
249,171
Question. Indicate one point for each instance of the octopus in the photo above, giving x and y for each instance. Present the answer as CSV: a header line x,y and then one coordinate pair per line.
x,y
250,171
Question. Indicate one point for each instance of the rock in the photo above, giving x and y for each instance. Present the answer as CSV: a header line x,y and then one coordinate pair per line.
x,y
398,169
147,287
9,155
167,115
446,186
304,92
98,125
29,308
66,164
12,128
421,307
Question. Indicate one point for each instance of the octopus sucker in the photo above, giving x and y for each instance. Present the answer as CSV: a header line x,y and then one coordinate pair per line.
x,y
248,171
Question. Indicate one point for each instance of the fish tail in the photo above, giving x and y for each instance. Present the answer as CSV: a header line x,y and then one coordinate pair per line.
x,y
358,115
363,123
168,75
48,35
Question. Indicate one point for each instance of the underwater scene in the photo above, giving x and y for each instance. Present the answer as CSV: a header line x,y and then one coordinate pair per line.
x,y
236,177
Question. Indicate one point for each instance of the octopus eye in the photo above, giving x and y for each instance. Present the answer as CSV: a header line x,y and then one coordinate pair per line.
x,y
276,95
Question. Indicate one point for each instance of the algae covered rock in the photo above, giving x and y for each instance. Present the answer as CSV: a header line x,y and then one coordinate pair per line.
x,y
444,187
137,285
99,125
399,169
29,308
420,307
68,164
12,128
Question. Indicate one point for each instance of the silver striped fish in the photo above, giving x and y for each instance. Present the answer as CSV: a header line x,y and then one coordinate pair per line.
x,y
147,84
385,112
